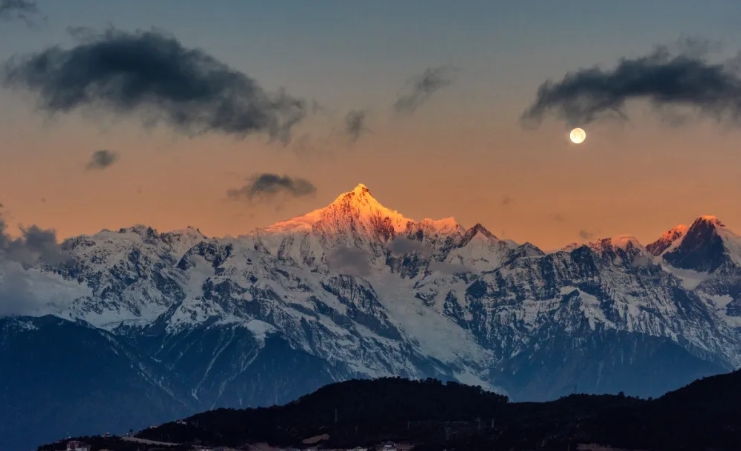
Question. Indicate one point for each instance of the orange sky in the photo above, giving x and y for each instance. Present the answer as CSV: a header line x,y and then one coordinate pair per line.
x,y
460,155
639,179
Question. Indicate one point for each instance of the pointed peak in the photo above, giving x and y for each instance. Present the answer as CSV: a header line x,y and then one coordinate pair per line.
x,y
706,246
708,219
667,239
675,232
526,249
360,195
477,230
353,206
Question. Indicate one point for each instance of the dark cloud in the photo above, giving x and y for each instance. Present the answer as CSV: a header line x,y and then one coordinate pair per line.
x,y
355,124
101,159
349,260
35,245
421,87
18,9
150,75
267,186
585,235
669,79
402,245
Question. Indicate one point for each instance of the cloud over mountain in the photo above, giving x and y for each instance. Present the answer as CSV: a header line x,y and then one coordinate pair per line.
x,y
350,260
401,245
35,246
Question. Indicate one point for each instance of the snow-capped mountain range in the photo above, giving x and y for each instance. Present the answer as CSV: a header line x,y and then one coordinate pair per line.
x,y
137,326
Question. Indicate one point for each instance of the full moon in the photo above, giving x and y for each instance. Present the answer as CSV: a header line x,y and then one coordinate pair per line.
x,y
578,136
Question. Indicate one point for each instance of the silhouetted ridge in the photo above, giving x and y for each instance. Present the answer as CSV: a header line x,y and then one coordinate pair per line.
x,y
434,416
372,406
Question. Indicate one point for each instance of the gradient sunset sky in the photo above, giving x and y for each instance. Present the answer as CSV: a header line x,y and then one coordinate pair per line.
x,y
463,153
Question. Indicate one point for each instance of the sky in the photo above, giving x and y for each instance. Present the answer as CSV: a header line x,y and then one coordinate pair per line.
x,y
422,101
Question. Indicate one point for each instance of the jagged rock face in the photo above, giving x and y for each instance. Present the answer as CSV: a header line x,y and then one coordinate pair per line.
x,y
357,290
702,248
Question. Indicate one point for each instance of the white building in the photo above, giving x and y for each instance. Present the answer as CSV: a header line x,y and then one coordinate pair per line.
x,y
74,445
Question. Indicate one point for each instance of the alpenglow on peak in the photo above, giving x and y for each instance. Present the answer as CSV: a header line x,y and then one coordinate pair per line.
x,y
358,206
355,209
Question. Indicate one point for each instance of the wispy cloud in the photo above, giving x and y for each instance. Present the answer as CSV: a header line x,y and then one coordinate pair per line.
x,y
355,124
401,245
102,159
586,235
420,88
448,268
349,260
152,76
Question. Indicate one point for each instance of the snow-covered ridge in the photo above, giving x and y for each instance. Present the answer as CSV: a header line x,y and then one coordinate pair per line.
x,y
372,292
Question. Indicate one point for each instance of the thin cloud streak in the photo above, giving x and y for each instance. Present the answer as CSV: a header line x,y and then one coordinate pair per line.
x,y
421,88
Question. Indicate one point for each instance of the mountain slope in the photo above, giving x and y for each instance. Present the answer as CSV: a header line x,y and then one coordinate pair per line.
x,y
60,378
708,260
357,290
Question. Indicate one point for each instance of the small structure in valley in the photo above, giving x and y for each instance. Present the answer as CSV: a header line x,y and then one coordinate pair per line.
x,y
75,445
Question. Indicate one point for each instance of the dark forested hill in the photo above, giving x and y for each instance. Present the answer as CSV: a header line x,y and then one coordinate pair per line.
x,y
435,416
